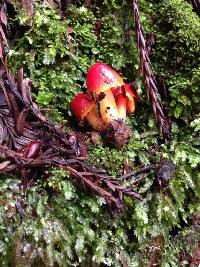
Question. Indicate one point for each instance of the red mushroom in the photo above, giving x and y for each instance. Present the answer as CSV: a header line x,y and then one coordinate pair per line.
x,y
114,98
125,99
121,102
84,107
130,98
100,79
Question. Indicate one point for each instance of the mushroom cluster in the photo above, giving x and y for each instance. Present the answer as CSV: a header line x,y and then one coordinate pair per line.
x,y
106,104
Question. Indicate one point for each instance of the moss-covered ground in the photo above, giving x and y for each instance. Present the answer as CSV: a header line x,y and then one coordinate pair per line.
x,y
61,224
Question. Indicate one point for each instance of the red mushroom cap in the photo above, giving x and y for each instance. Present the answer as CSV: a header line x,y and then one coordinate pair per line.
x,y
130,98
81,105
126,90
129,91
101,77
116,90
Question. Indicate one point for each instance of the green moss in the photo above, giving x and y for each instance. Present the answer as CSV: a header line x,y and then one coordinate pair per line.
x,y
177,52
64,225
57,53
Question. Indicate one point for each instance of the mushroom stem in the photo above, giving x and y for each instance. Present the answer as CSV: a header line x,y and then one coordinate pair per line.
x,y
95,121
121,102
124,91
130,106
108,107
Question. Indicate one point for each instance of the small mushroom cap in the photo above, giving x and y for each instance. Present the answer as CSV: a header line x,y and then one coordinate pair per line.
x,y
127,91
131,98
116,90
81,105
101,77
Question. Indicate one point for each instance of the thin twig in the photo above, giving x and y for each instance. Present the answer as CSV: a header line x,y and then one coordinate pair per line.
x,y
139,171
150,81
